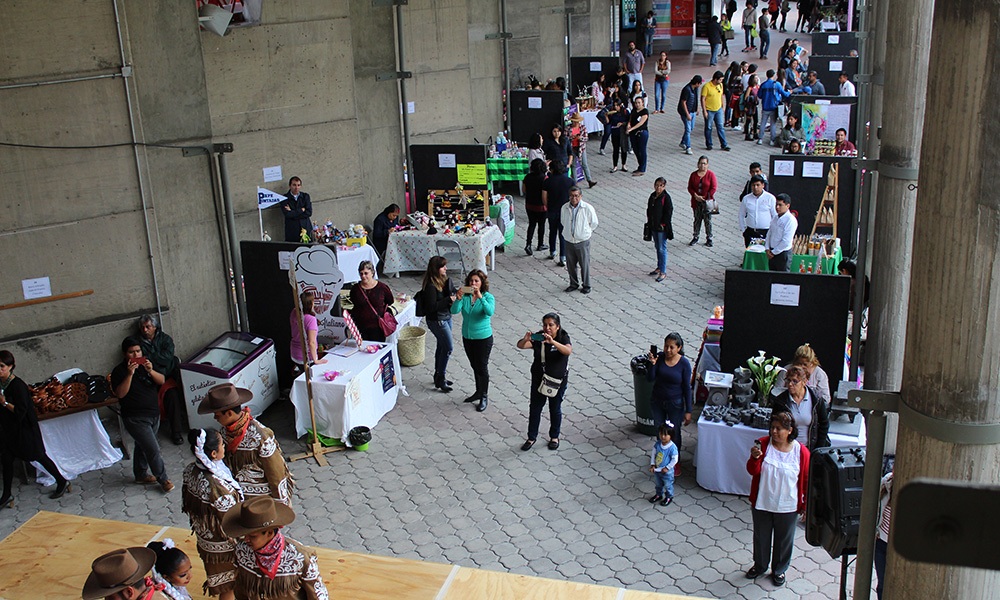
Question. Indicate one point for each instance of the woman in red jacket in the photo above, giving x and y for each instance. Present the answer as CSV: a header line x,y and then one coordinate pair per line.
x,y
702,185
779,466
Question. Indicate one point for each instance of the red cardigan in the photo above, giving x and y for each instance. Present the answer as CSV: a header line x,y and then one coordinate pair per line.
x,y
753,467
703,186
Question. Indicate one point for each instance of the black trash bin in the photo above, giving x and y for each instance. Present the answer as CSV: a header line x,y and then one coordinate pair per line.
x,y
643,389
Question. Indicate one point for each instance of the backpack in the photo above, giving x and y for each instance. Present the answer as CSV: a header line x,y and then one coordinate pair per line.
x,y
421,308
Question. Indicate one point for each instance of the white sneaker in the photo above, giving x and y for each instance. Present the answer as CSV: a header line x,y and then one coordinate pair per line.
x,y
737,128
682,145
759,142
687,151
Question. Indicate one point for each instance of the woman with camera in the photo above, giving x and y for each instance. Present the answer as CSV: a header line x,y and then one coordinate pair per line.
x,y
779,468
671,396
477,306
549,375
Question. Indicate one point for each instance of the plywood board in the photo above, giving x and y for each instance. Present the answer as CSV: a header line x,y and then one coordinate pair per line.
x,y
634,595
485,585
355,575
50,555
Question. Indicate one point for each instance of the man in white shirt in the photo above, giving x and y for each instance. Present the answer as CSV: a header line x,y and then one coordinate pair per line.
x,y
579,220
757,209
846,87
780,235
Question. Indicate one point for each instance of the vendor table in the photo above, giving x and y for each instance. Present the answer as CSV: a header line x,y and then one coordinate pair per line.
x,y
360,397
506,169
407,315
754,259
722,453
349,260
591,123
410,250
76,442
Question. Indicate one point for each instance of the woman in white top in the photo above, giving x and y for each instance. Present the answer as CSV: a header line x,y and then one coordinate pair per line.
x,y
597,90
779,467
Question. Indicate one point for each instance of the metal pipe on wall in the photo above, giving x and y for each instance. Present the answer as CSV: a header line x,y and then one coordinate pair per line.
x,y
126,73
506,50
400,42
234,248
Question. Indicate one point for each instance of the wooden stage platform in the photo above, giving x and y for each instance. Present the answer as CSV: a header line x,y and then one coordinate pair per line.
x,y
49,557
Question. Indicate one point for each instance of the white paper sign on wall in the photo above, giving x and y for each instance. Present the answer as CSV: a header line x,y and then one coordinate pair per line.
x,y
784,294
272,174
446,161
534,102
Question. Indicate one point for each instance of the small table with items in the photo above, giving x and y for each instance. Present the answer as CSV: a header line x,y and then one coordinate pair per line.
x,y
506,169
755,259
722,453
409,250
591,122
361,395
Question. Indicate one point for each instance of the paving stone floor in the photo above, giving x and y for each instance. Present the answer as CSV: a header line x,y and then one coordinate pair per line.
x,y
444,483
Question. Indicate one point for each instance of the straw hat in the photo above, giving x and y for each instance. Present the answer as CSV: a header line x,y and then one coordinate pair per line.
x,y
256,514
224,397
117,570
576,117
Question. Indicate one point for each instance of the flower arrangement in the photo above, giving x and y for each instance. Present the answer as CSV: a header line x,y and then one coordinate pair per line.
x,y
764,371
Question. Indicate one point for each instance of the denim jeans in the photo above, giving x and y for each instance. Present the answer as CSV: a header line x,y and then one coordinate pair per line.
x,y
746,34
147,449
555,230
881,550
607,134
715,117
582,157
649,42
688,128
538,403
660,241
664,483
660,94
639,140
765,42
442,333
769,122
715,54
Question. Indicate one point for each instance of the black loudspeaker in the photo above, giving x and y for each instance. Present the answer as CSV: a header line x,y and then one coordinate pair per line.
x,y
833,501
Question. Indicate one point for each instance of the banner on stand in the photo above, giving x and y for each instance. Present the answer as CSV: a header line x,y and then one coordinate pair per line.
x,y
266,198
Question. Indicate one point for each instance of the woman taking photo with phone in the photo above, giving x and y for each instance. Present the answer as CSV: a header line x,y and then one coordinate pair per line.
x,y
438,294
671,397
477,305
549,375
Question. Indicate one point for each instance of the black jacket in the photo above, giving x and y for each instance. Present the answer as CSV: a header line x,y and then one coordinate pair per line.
x,y
714,32
689,96
298,217
437,302
659,214
818,434
21,435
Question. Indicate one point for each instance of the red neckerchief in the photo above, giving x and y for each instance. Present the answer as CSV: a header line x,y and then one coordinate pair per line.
x,y
151,588
238,430
269,556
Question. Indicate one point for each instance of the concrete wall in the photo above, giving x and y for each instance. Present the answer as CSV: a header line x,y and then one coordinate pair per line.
x,y
141,228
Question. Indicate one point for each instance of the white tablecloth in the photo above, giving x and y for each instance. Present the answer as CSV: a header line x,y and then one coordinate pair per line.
x,y
350,260
722,453
407,316
360,397
410,250
77,443
591,123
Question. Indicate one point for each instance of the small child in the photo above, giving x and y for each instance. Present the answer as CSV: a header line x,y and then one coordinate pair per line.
x,y
661,464
172,569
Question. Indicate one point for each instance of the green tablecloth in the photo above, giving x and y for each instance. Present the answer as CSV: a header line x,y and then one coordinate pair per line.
x,y
757,261
506,169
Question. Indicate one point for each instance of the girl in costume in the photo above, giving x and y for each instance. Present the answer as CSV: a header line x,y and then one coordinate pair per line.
x,y
209,491
172,571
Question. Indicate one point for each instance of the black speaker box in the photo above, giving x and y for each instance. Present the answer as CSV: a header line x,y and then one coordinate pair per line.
x,y
833,500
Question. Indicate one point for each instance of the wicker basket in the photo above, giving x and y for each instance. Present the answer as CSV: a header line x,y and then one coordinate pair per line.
x,y
411,345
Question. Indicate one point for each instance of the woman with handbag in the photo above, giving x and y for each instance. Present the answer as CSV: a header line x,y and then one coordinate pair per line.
x,y
438,294
549,375
371,300
659,212
477,306
702,185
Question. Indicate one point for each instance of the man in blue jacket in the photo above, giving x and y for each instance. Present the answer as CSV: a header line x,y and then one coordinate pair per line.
x,y
771,93
297,209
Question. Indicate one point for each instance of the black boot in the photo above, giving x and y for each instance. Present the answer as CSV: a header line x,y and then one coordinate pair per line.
x,y
440,383
61,489
7,501
474,397
482,404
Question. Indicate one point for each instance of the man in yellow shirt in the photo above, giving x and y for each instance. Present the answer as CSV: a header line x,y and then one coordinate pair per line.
x,y
713,110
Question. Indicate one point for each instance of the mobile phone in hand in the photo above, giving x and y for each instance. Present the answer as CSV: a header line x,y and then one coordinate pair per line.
x,y
137,361
756,444
653,350
537,337
466,289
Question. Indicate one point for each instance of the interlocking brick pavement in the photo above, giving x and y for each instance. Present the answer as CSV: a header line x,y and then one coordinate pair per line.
x,y
444,483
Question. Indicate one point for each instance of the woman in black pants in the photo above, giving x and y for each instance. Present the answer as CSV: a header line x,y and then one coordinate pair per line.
x,y
477,307
531,189
619,123
21,436
552,348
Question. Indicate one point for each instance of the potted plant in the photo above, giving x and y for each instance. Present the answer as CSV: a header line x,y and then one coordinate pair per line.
x,y
764,371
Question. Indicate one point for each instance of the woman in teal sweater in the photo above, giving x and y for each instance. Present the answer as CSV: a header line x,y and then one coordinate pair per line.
x,y
477,308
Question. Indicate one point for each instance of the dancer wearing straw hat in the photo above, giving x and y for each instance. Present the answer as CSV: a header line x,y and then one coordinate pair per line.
x,y
252,452
270,565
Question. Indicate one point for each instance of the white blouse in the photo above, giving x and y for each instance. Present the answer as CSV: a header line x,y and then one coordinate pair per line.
x,y
778,491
